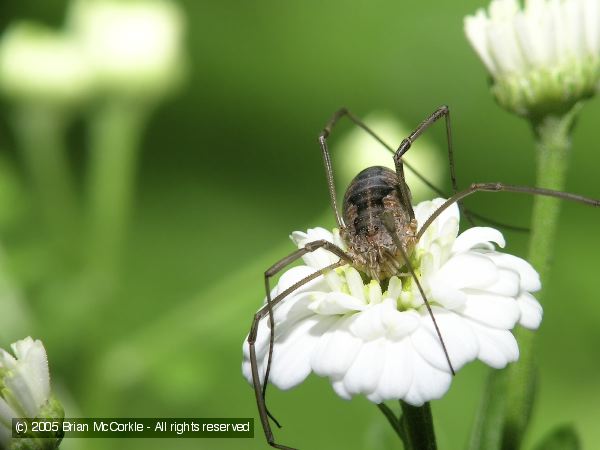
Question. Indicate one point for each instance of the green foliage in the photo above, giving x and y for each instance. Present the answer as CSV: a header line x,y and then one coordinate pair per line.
x,y
564,437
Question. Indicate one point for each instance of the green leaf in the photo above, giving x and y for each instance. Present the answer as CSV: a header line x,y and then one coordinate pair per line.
x,y
563,437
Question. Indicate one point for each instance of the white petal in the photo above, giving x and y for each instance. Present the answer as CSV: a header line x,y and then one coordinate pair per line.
x,y
428,383
291,309
355,283
335,352
394,288
24,400
476,32
7,360
535,50
374,291
468,270
301,238
530,280
363,375
531,311
28,378
368,324
336,303
504,48
286,314
295,275
493,310
6,413
425,209
400,323
396,376
446,295
340,389
507,284
477,236
574,29
560,32
496,347
292,353
319,258
459,339
538,34
501,10
592,26
35,370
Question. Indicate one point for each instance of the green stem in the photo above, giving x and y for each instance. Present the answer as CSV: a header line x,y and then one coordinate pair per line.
x,y
417,426
509,395
487,429
392,419
41,135
553,136
115,134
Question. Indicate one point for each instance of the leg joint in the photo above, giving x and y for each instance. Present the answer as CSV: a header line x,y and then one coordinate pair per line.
x,y
402,149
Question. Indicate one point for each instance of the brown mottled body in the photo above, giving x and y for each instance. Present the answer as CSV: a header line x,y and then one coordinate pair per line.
x,y
373,193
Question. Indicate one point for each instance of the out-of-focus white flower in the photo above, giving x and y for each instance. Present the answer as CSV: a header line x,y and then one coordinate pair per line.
x,y
380,341
542,58
42,66
133,46
358,150
25,392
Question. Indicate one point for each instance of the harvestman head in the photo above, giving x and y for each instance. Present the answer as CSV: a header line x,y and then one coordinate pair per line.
x,y
378,226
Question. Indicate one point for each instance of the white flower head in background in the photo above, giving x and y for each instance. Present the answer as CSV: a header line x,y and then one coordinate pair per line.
x,y
41,66
359,150
134,46
379,340
542,58
25,386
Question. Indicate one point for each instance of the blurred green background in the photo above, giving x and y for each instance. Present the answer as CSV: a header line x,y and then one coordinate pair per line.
x,y
230,166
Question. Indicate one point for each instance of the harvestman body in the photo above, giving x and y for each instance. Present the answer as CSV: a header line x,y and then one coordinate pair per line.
x,y
379,229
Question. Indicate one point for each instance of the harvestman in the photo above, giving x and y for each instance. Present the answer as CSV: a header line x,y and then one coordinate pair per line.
x,y
379,229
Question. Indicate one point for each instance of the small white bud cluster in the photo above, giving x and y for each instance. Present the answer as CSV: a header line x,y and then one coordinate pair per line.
x,y
542,58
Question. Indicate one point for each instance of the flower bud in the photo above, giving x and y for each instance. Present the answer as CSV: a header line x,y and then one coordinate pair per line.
x,y
25,393
542,58
42,66
133,46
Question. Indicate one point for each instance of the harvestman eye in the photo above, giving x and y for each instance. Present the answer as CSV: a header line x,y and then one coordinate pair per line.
x,y
377,224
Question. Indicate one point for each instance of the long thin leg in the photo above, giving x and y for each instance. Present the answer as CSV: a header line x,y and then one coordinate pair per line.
x,y
260,314
260,392
274,270
468,213
359,123
496,187
344,112
327,160
388,222
441,111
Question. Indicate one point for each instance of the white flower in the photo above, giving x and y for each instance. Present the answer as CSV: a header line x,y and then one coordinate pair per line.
x,y
134,46
42,66
542,58
380,342
24,383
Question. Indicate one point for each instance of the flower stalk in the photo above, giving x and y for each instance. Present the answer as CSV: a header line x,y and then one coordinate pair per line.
x,y
414,427
509,395
417,425
115,132
41,134
553,142
392,420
